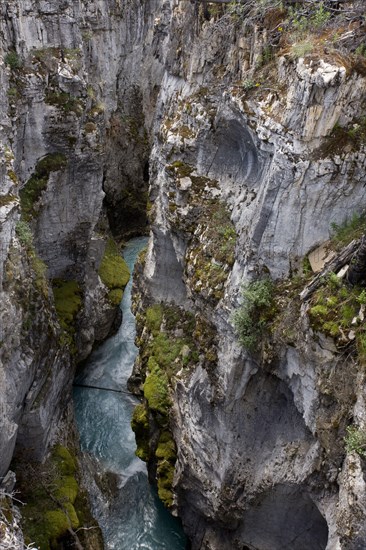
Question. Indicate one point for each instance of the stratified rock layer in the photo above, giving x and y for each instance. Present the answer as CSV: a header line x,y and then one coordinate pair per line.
x,y
250,160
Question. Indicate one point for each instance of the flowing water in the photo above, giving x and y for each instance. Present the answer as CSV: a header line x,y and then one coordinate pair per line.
x,y
135,519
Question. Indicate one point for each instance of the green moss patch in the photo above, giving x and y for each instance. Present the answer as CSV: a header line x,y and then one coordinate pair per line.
x,y
33,189
166,449
140,426
180,169
166,454
172,341
114,272
212,252
165,475
154,318
115,296
156,389
68,301
49,491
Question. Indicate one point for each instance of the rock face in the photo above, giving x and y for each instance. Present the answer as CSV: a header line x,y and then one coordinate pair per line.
x,y
250,160
73,147
261,460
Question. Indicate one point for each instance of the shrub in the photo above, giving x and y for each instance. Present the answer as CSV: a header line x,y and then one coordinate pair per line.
x,y
12,60
355,440
303,22
361,50
251,318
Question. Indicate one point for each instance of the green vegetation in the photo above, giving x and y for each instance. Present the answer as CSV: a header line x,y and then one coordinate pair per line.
x,y
301,49
46,54
334,310
115,296
24,233
251,319
352,228
350,137
64,101
180,169
355,440
165,350
167,455
13,60
114,272
361,50
140,426
7,199
25,237
164,354
156,388
154,318
314,19
34,187
50,491
212,252
68,301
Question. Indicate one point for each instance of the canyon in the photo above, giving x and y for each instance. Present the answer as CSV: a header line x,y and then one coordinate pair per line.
x,y
238,144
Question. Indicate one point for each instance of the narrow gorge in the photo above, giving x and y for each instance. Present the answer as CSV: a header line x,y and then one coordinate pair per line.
x,y
232,136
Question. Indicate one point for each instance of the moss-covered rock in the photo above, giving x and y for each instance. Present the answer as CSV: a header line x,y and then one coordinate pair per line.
x,y
165,474
114,272
154,318
156,389
172,341
58,522
140,426
33,189
49,491
68,301
166,454
115,296
166,449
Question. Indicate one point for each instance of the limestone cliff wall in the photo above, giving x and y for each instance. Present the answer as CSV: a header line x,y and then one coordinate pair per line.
x,y
247,170
261,460
74,170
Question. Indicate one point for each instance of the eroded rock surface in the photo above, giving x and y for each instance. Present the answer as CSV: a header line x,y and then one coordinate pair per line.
x,y
249,163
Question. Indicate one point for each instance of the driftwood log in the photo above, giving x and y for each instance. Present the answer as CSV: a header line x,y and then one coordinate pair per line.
x,y
334,265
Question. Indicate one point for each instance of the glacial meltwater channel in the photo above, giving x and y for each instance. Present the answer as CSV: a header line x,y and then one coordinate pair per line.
x,y
135,519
